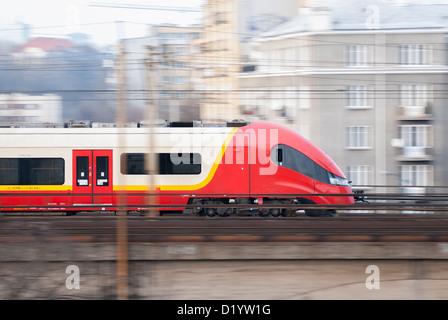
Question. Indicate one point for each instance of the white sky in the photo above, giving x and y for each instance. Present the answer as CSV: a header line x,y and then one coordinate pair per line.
x,y
73,16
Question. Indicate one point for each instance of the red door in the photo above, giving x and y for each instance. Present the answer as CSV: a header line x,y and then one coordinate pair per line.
x,y
92,177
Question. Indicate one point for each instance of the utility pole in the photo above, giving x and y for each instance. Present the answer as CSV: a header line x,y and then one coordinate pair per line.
x,y
152,161
122,232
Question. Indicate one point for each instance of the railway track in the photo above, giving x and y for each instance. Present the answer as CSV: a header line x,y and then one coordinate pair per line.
x,y
95,229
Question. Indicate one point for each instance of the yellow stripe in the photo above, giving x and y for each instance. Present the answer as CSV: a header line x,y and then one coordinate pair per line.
x,y
130,188
188,187
212,171
35,188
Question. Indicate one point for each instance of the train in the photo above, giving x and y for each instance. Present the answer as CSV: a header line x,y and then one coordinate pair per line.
x,y
176,168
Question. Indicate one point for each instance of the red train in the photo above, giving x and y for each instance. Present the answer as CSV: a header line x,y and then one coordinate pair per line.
x,y
83,169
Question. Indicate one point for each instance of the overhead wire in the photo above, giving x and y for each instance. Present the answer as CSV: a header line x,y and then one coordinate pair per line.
x,y
289,66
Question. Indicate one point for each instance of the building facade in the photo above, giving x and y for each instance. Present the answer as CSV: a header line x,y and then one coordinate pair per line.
x,y
26,109
228,26
370,92
162,64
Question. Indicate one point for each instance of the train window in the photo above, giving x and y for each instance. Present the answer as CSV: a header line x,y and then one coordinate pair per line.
x,y
9,171
45,171
82,171
280,156
179,163
169,163
102,171
32,171
297,161
133,163
290,158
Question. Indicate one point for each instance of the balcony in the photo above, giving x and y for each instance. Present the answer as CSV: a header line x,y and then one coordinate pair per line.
x,y
413,113
415,153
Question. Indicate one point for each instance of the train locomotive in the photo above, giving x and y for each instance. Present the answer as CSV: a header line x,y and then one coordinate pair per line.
x,y
208,170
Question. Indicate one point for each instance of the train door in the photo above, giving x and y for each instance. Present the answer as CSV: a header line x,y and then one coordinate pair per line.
x,y
102,177
92,177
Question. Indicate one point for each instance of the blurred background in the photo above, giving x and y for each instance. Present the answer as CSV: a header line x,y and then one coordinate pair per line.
x,y
363,79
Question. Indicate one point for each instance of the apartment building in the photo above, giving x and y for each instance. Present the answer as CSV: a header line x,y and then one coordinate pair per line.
x,y
228,26
26,109
177,98
364,80
169,76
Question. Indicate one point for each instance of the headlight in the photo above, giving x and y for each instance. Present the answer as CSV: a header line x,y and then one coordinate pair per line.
x,y
337,181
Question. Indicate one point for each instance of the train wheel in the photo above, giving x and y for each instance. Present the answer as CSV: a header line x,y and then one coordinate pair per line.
x,y
264,213
313,212
320,213
275,212
210,212
291,213
332,213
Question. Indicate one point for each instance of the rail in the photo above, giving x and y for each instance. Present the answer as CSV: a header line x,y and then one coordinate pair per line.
x,y
366,201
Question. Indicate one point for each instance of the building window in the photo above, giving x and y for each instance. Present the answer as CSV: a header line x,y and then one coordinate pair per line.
x,y
358,137
221,17
416,175
360,175
413,54
413,95
179,80
180,50
356,55
357,97
415,135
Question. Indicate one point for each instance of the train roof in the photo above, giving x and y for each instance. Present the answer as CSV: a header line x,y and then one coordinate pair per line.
x,y
141,124
91,127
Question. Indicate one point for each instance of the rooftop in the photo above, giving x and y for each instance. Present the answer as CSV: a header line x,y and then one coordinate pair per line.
x,y
46,44
357,14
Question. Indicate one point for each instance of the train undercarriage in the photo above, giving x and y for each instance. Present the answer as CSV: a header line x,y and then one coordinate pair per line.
x,y
270,207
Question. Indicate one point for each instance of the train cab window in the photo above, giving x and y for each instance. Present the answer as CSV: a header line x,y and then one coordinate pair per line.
x,y
297,161
32,171
279,156
169,163
290,158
